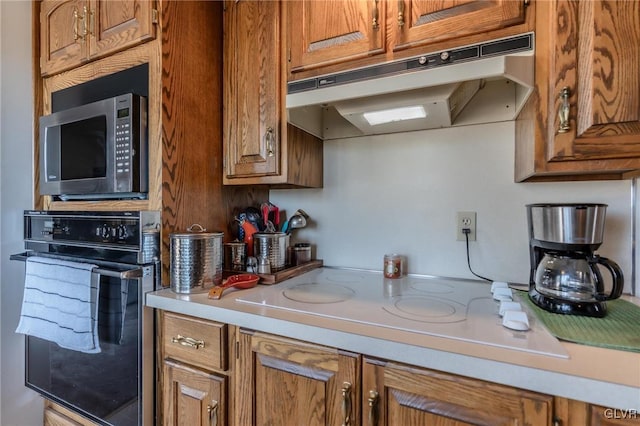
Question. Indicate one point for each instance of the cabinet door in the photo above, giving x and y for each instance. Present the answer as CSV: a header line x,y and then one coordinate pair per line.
x,y
395,394
591,48
597,59
287,382
328,32
62,35
192,396
252,88
422,22
115,25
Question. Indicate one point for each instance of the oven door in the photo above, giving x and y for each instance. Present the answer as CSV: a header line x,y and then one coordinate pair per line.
x,y
115,386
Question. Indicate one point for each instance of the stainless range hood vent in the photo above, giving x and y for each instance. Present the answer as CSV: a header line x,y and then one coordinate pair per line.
x,y
482,83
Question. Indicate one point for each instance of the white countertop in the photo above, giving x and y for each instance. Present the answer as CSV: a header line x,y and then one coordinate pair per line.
x,y
595,375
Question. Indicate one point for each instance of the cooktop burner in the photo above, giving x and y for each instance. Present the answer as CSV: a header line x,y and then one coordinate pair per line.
x,y
451,308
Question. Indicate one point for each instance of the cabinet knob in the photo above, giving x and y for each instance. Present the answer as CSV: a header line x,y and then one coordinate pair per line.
x,y
563,112
346,404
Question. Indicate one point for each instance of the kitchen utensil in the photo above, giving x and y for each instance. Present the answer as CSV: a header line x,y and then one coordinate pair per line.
x,y
241,281
248,229
196,260
272,245
295,222
565,277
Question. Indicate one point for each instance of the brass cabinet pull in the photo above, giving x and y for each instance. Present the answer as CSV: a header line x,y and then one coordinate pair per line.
x,y
90,18
188,341
346,403
376,15
76,36
563,112
212,410
269,138
400,13
373,408
85,31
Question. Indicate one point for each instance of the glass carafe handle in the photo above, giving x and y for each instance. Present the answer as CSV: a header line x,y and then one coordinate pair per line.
x,y
616,275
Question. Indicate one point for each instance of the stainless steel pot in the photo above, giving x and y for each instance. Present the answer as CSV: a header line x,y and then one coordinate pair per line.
x,y
196,260
273,246
567,223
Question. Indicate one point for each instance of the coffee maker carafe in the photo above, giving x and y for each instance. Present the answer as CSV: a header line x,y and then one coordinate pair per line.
x,y
565,275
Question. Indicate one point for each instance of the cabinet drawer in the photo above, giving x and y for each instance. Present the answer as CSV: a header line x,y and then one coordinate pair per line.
x,y
195,341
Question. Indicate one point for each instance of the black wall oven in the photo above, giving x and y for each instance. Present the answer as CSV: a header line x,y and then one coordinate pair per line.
x,y
117,385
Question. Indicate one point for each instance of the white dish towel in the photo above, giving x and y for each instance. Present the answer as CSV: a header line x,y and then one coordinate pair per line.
x,y
60,303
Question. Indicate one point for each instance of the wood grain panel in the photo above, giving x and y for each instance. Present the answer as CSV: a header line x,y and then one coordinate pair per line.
x,y
304,382
192,189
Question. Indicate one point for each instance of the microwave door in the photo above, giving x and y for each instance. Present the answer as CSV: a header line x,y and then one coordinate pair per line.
x,y
76,150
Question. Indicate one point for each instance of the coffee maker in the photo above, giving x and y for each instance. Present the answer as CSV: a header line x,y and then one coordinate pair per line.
x,y
565,275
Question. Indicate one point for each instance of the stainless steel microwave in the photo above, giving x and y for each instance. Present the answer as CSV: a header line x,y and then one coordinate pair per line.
x,y
96,151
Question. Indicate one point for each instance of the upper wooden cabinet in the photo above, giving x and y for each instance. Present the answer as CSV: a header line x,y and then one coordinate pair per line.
x,y
77,31
583,121
335,35
259,146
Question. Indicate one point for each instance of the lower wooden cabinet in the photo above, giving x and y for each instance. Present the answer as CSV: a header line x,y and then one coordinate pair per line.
x,y
396,394
193,396
196,377
241,377
288,382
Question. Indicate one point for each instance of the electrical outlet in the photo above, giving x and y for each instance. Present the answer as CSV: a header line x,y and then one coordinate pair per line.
x,y
466,220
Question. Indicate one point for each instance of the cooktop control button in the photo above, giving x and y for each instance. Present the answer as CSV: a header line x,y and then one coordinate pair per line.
x,y
502,294
508,305
516,320
498,284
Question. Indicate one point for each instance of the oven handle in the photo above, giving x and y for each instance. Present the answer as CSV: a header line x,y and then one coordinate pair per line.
x,y
132,271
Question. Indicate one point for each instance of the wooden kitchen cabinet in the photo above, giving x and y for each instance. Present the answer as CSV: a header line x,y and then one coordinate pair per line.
x,y
259,146
195,374
586,53
329,36
577,413
288,382
77,31
396,394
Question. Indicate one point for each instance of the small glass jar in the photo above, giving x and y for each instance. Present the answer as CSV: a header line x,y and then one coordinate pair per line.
x,y
301,253
393,265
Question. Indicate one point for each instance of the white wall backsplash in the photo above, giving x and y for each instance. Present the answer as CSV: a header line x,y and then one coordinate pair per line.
x,y
400,194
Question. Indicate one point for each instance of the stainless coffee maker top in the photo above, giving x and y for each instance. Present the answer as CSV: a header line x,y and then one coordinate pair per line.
x,y
568,223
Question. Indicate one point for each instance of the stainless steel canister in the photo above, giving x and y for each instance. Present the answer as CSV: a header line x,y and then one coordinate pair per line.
x,y
235,256
196,260
272,245
150,244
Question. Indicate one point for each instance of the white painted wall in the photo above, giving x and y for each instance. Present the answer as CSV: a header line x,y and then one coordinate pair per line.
x,y
19,406
400,194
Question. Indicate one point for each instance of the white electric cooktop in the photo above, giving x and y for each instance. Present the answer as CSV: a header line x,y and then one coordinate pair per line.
x,y
443,307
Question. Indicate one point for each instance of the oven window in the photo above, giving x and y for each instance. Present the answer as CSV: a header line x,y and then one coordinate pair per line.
x,y
104,386
83,149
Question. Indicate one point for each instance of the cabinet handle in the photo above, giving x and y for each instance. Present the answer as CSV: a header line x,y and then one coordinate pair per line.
x,y
76,36
269,137
346,403
90,18
373,408
563,112
212,410
400,13
188,341
376,15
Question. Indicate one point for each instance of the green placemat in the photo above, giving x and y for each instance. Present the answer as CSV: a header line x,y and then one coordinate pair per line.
x,y
619,329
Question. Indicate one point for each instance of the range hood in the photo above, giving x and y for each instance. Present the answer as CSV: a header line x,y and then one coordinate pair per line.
x,y
481,83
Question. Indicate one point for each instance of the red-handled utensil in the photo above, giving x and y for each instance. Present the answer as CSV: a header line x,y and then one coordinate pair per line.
x,y
241,281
